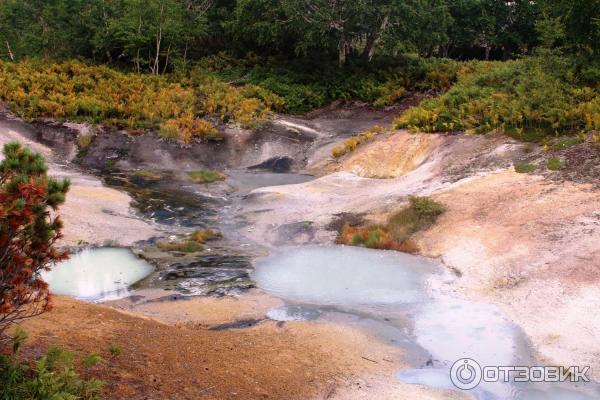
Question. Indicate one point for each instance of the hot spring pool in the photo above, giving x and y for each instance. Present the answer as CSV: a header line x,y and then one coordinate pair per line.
x,y
97,274
344,275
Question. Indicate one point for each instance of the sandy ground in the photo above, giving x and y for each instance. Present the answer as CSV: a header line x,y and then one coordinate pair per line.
x,y
299,360
532,247
92,214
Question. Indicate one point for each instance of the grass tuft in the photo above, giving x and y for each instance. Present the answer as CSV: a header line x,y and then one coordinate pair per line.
x,y
554,164
524,168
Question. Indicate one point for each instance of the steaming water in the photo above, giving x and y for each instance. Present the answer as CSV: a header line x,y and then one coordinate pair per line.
x,y
405,291
246,181
97,274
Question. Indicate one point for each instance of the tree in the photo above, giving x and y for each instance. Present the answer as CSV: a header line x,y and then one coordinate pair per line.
x,y
485,26
29,229
580,22
420,25
353,26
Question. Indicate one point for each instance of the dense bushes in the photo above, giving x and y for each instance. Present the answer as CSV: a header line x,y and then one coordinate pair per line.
x,y
97,94
380,83
526,98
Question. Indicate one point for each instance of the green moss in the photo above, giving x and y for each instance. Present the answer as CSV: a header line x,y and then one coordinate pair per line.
x,y
206,176
148,174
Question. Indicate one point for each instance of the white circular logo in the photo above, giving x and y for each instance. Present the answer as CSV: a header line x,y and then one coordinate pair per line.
x,y
465,374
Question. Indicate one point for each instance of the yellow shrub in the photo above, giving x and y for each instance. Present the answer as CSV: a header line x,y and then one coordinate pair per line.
x,y
187,127
78,92
353,142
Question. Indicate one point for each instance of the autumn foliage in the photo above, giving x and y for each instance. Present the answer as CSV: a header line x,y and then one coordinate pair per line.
x,y
180,107
29,229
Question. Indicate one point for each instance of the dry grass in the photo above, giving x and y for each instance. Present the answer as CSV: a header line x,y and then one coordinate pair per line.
x,y
374,237
204,235
186,246
396,233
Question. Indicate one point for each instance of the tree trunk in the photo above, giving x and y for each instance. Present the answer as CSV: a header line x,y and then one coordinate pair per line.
x,y
373,40
343,50
185,55
487,52
155,69
445,50
167,60
137,61
10,53
137,53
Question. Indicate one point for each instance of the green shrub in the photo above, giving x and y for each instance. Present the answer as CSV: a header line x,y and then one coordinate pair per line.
x,y
53,376
525,168
381,83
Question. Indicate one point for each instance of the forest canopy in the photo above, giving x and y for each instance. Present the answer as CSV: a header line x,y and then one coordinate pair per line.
x,y
157,36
